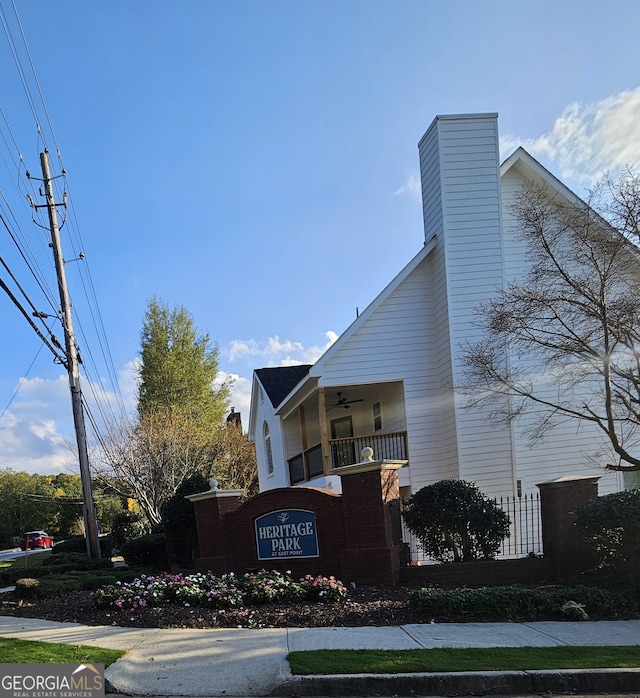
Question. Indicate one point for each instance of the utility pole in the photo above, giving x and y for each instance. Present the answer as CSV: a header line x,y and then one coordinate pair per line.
x,y
90,520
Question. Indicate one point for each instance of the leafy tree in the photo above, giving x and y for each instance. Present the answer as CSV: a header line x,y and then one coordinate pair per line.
x,y
611,524
18,511
68,497
455,521
234,461
178,369
126,526
179,414
576,312
178,511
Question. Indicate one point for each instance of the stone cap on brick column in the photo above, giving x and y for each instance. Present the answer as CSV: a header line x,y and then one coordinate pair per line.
x,y
567,479
214,494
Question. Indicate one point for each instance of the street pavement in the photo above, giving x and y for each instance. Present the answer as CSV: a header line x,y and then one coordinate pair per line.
x,y
247,662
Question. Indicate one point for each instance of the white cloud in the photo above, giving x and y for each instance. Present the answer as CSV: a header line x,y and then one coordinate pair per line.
x,y
411,186
279,352
588,140
272,352
37,433
129,380
240,397
37,430
46,430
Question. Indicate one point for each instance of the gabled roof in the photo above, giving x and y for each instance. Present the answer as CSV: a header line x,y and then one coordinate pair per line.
x,y
314,372
531,169
427,248
522,162
280,381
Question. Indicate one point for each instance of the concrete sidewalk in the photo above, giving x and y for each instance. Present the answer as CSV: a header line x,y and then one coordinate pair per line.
x,y
243,662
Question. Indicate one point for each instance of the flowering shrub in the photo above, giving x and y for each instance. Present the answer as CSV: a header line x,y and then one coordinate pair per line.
x,y
227,591
325,589
270,587
206,590
143,591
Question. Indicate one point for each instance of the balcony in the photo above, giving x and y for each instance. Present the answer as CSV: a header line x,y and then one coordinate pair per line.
x,y
308,465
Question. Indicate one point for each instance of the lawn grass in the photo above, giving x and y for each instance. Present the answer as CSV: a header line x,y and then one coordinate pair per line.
x,y
444,659
32,560
14,651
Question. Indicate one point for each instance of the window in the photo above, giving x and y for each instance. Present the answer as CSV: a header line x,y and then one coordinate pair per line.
x,y
267,448
377,417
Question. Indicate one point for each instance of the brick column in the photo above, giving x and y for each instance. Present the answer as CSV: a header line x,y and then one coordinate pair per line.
x,y
373,534
560,539
211,509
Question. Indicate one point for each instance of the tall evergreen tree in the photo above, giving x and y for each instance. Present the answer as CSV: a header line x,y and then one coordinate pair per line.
x,y
180,412
179,368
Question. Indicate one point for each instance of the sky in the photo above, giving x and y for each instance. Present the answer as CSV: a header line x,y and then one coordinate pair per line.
x,y
256,162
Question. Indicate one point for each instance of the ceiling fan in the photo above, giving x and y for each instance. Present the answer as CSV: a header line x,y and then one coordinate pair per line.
x,y
343,402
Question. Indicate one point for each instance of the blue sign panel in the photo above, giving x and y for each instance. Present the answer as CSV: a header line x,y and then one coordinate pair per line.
x,y
285,534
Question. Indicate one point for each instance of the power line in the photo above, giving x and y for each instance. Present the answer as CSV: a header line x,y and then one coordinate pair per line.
x,y
35,97
22,380
35,76
59,357
16,59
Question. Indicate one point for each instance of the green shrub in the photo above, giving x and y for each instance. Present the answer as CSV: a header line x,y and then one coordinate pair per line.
x,y
27,587
9,576
455,521
521,604
178,512
55,586
66,562
148,551
78,544
93,582
127,526
611,525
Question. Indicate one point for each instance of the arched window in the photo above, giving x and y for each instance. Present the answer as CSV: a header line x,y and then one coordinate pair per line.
x,y
267,447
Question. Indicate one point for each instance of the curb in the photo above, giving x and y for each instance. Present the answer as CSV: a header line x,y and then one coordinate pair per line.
x,y
465,683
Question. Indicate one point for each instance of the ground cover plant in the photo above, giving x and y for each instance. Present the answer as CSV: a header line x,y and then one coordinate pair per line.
x,y
227,591
363,605
519,604
48,575
15,651
611,526
442,659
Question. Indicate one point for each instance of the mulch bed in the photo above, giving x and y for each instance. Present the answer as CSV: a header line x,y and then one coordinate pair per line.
x,y
365,606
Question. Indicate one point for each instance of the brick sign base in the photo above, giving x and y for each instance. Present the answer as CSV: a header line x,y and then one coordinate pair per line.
x,y
355,536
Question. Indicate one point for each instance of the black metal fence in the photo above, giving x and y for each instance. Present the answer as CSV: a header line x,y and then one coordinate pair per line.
x,y
526,525
525,538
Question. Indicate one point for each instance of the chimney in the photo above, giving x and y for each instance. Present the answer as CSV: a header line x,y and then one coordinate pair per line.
x,y
234,418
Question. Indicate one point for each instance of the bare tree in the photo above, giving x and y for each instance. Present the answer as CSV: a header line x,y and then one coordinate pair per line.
x,y
148,458
563,342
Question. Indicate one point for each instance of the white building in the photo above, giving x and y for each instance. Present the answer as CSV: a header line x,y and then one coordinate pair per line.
x,y
388,381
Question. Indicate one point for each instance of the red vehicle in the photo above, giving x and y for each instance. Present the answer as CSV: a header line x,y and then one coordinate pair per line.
x,y
35,539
